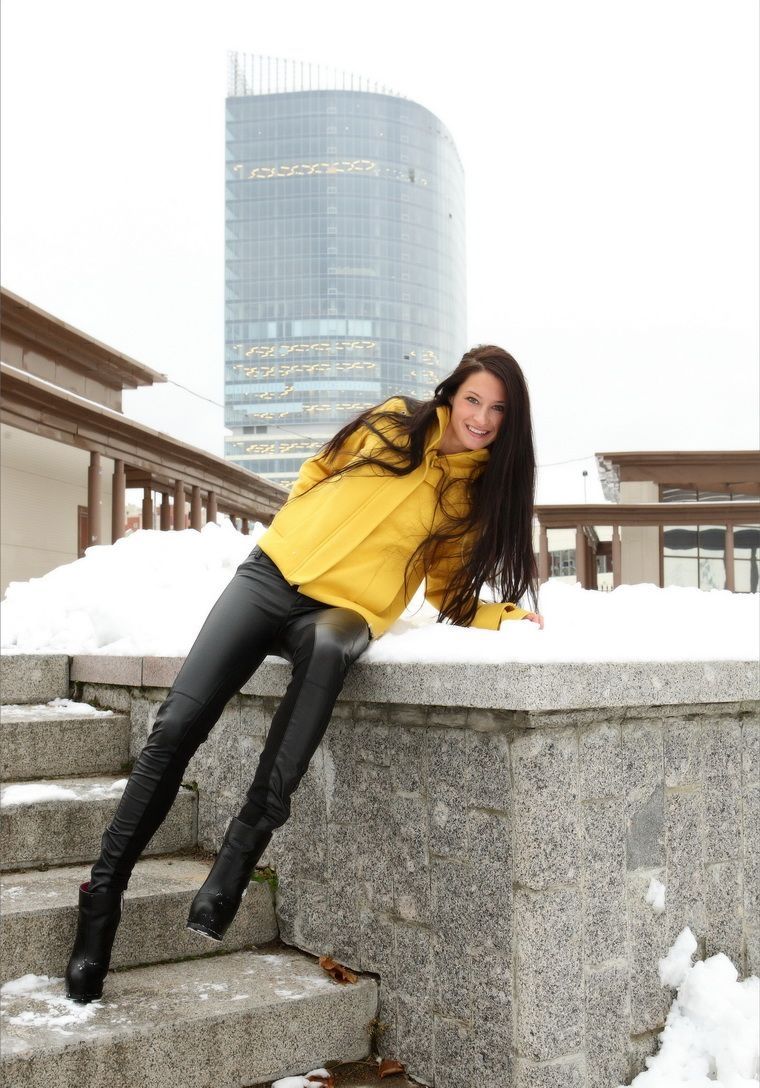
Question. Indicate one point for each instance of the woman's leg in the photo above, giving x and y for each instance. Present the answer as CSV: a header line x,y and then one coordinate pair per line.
x,y
321,643
236,636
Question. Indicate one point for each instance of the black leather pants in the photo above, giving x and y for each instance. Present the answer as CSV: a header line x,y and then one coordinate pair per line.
x,y
257,614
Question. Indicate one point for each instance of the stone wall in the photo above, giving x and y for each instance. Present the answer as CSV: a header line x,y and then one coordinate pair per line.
x,y
483,839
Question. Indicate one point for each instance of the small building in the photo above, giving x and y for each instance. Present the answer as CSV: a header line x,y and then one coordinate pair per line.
x,y
69,454
683,518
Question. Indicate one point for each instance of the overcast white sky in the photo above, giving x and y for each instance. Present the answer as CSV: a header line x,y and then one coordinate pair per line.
x,y
611,160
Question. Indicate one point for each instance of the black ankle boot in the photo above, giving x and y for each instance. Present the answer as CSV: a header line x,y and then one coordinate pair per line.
x,y
217,901
99,916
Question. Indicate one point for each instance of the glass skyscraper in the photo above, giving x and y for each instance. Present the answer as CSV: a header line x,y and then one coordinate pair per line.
x,y
345,256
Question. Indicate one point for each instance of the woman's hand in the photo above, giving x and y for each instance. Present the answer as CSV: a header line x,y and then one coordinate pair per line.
x,y
535,617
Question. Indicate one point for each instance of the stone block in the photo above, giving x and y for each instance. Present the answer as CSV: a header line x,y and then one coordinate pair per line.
x,y
751,818
374,874
111,696
447,820
303,914
34,678
642,760
378,944
410,857
446,752
722,740
405,751
415,963
370,742
454,1053
415,1033
106,669
683,750
641,1047
160,672
644,842
255,718
454,889
724,911
607,1011
546,811
722,819
343,780
489,776
648,942
685,847
549,973
492,995
751,746
345,941
490,927
387,1021
601,761
603,853
565,1073
751,923
452,981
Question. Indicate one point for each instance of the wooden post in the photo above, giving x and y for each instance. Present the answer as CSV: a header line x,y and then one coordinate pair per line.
x,y
179,505
211,507
166,512
543,555
147,509
94,498
580,555
196,509
118,501
244,529
616,557
729,558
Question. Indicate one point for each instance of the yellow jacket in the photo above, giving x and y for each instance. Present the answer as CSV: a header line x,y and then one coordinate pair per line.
x,y
347,541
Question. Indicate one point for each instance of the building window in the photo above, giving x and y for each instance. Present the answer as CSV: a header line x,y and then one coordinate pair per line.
x,y
562,563
746,558
694,556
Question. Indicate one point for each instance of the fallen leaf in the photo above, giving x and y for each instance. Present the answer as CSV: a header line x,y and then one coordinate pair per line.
x,y
318,1078
388,1066
337,970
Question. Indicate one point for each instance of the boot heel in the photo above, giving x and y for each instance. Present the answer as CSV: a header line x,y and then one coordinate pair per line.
x,y
98,920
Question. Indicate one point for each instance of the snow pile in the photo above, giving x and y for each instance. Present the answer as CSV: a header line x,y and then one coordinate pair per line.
x,y
149,593
710,1038
656,895
48,1007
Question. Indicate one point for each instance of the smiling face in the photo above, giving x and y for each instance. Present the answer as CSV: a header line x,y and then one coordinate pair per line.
x,y
477,412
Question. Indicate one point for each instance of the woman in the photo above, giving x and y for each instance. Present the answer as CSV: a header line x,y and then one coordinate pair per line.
x,y
439,489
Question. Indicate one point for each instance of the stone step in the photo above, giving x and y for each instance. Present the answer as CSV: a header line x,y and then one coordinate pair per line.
x,y
33,678
39,912
46,741
46,823
226,1020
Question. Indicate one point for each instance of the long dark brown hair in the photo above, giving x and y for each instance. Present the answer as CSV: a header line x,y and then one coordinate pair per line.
x,y
494,538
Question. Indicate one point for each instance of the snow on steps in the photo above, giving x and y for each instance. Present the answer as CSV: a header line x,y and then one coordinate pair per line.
x,y
228,1020
61,821
44,741
39,912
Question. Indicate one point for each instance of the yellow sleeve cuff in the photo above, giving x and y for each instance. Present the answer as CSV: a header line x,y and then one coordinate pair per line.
x,y
489,616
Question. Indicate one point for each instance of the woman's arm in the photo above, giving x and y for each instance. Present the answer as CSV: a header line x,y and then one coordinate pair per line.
x,y
488,615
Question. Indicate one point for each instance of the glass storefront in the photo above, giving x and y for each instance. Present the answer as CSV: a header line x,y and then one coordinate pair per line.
x,y
696,555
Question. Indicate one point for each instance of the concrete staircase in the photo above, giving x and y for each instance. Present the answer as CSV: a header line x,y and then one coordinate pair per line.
x,y
177,1008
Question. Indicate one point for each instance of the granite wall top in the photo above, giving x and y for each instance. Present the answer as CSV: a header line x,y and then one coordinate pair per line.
x,y
535,686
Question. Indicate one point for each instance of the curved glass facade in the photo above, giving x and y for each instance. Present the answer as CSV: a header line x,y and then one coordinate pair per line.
x,y
345,265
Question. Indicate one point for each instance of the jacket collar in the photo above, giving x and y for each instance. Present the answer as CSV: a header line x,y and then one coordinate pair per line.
x,y
456,464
